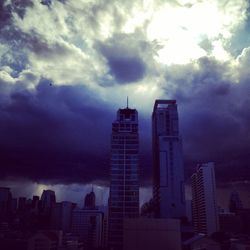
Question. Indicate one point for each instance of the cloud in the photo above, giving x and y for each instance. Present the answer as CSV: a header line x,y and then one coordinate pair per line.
x,y
122,53
213,113
67,66
51,133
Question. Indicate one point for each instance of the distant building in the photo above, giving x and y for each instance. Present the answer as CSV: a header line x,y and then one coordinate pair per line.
x,y
14,204
230,223
45,240
204,205
89,201
189,210
152,233
22,204
148,209
124,174
5,203
235,203
48,199
168,172
35,202
87,224
201,242
104,209
61,216
71,242
245,220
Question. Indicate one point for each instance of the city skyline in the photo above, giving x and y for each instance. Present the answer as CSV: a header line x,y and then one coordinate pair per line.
x,y
67,65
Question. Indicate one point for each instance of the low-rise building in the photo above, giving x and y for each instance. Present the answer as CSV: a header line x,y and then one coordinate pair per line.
x,y
151,233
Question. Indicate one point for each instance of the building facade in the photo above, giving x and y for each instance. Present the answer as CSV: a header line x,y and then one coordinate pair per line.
x,y
89,201
87,224
168,172
61,216
152,233
5,204
204,205
235,203
48,199
124,185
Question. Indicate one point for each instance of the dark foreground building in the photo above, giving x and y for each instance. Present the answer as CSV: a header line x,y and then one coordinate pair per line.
x,y
124,185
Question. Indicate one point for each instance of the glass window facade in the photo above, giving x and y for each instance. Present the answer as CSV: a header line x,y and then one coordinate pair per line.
x,y
124,183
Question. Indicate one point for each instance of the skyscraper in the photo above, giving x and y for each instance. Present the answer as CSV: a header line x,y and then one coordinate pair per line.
x,y
168,173
204,205
5,204
235,203
124,185
48,198
89,201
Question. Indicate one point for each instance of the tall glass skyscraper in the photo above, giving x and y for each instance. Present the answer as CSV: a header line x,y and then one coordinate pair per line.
x,y
124,186
168,173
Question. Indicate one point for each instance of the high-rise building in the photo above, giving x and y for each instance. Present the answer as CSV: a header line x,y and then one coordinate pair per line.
x,y
87,224
235,203
5,204
168,172
22,204
89,201
61,216
48,199
204,205
124,185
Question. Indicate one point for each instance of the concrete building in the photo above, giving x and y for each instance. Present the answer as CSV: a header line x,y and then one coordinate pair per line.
x,y
124,174
5,204
87,224
48,199
235,203
168,173
189,210
89,201
104,209
204,204
61,216
45,240
151,233
230,222
201,242
22,204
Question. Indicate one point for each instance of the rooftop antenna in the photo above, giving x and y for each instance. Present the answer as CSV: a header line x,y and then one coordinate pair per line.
x,y
127,101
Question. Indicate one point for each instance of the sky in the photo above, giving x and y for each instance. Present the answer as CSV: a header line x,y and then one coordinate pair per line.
x,y
66,66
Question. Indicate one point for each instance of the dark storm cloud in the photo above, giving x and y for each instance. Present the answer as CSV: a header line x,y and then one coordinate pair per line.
x,y
126,70
61,133
124,61
214,115
54,133
5,14
15,6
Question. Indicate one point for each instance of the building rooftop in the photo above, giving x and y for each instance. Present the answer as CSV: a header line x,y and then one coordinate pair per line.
x,y
160,103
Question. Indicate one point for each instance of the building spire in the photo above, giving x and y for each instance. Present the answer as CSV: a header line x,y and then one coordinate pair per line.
x,y
127,102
